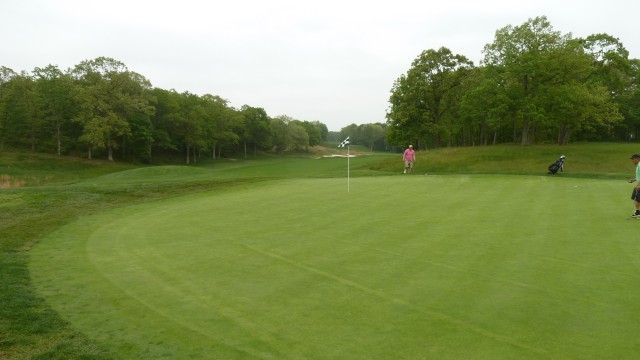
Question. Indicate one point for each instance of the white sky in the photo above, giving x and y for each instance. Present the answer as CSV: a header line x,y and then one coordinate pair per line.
x,y
334,61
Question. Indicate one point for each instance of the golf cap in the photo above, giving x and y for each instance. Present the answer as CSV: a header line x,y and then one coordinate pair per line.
x,y
412,146
635,156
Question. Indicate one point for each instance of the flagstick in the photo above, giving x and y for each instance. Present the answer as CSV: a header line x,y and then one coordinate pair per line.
x,y
342,144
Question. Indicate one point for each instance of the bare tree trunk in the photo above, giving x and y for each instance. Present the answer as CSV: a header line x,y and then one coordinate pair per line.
x,y
471,137
565,138
525,134
58,137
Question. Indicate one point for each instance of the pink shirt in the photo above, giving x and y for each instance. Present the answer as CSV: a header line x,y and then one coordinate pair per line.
x,y
409,155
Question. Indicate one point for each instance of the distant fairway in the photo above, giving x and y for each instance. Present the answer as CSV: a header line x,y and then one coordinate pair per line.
x,y
401,267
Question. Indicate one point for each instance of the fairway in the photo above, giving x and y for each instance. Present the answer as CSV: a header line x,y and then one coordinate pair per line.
x,y
399,267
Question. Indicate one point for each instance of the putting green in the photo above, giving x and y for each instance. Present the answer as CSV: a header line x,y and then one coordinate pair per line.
x,y
443,267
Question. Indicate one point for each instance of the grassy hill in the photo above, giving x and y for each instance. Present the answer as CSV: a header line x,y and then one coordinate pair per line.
x,y
597,160
40,193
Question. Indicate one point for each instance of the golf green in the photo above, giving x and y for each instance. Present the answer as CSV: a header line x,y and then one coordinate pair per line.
x,y
399,267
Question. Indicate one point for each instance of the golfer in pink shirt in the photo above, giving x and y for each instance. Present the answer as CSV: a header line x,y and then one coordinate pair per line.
x,y
409,157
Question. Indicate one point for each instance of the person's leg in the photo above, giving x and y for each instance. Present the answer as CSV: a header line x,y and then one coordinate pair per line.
x,y
636,202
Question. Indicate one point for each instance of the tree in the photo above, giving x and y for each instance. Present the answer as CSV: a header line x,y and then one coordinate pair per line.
x,y
136,106
352,131
485,106
21,123
224,125
322,128
288,134
58,100
629,102
6,75
572,103
524,53
100,133
280,133
372,133
190,124
546,76
610,61
167,105
614,70
257,128
103,106
298,136
112,98
422,101
97,109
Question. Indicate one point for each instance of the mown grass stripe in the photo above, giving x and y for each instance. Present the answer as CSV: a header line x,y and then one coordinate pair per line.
x,y
379,294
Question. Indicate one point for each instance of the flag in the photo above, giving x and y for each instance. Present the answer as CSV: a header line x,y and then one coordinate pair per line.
x,y
344,143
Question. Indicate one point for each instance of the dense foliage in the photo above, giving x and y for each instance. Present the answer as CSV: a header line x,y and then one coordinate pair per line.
x,y
534,85
101,108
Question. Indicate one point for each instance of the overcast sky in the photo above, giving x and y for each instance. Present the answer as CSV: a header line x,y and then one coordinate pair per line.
x,y
333,61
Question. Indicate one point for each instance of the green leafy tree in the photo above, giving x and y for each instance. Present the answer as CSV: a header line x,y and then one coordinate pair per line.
x,y
111,94
298,136
58,101
136,105
190,124
280,133
548,78
235,122
572,103
103,106
422,101
629,102
288,134
485,106
257,124
322,129
167,104
314,131
21,124
524,52
615,71
224,125
371,134
611,64
353,132
100,133
6,75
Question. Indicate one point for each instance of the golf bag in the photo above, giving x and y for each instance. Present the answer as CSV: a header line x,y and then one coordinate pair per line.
x,y
556,166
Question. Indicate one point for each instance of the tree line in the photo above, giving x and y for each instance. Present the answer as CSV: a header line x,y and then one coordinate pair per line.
x,y
533,85
101,108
